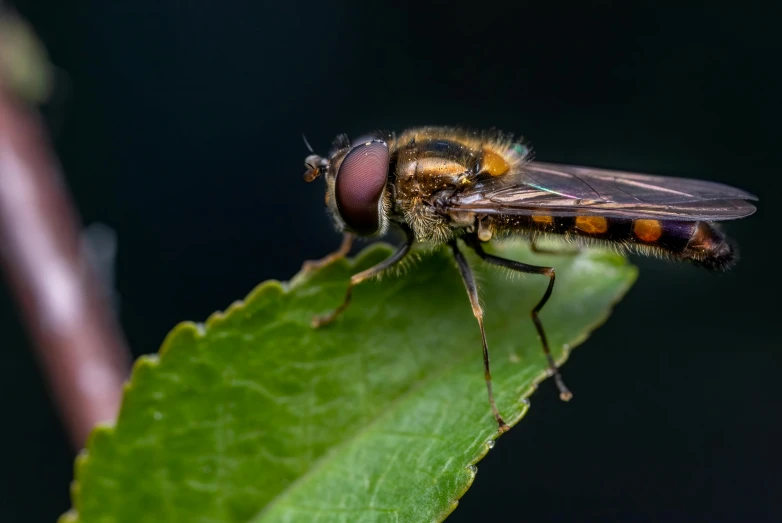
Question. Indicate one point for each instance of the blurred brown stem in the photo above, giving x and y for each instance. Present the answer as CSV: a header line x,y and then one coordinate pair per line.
x,y
76,336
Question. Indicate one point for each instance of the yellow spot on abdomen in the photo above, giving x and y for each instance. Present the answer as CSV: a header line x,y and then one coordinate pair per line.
x,y
548,220
647,230
592,224
493,163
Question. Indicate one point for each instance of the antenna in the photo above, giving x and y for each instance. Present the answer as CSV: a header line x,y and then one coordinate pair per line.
x,y
307,143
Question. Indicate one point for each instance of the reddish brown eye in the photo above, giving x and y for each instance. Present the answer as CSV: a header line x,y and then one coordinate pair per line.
x,y
359,185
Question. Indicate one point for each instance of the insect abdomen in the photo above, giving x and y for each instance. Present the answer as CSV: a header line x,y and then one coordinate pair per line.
x,y
709,248
699,242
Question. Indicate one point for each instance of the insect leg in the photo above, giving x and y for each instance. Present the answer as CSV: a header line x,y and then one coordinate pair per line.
x,y
473,242
472,293
319,321
344,249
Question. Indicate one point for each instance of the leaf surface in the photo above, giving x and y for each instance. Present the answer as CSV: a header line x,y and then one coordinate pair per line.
x,y
256,417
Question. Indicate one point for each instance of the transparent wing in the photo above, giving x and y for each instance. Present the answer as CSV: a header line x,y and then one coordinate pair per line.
x,y
566,190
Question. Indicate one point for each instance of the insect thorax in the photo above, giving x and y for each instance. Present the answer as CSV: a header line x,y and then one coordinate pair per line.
x,y
432,163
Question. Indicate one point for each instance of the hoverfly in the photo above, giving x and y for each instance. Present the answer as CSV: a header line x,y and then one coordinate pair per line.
x,y
444,185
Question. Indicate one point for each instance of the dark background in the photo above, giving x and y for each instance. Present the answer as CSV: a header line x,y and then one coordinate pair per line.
x,y
178,125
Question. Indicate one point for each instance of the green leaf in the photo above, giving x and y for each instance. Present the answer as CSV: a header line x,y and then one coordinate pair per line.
x,y
255,416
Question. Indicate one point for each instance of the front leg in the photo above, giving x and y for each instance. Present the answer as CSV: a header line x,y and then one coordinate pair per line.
x,y
344,249
319,321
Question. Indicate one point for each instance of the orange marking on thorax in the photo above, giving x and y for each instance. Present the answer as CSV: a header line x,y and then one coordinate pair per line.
x,y
493,163
548,220
592,224
647,230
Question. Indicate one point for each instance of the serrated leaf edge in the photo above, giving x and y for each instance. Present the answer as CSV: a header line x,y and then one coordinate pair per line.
x,y
301,278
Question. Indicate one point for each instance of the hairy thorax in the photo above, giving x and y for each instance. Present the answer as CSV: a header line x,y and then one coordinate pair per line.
x,y
433,163
419,184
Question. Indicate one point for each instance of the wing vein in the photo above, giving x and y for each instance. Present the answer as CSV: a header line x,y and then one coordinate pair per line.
x,y
566,190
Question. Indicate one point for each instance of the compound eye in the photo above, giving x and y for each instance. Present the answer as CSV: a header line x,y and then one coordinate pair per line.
x,y
360,182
